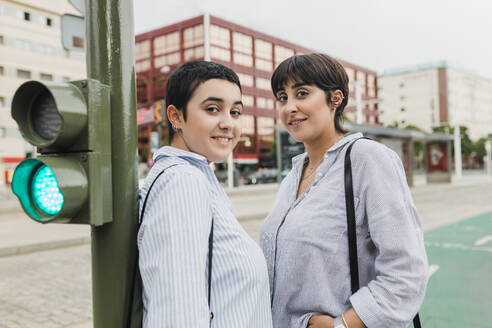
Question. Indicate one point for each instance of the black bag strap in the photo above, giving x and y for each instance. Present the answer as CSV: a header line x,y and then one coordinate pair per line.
x,y
135,300
351,231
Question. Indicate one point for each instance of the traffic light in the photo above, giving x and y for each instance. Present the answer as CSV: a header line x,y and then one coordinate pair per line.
x,y
70,124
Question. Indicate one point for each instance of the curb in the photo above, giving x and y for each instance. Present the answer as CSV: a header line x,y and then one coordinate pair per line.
x,y
55,244
44,246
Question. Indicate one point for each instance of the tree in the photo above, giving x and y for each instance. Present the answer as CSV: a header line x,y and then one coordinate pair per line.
x,y
467,146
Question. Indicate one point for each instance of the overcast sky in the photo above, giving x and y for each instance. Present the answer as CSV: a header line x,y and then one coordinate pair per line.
x,y
377,34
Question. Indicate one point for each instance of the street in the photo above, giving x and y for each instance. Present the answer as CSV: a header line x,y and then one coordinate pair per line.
x,y
52,288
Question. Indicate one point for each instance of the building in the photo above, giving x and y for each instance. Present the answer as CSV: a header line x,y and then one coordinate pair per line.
x,y
251,54
436,93
30,49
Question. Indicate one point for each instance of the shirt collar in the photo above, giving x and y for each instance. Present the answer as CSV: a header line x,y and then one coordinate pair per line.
x,y
168,151
299,159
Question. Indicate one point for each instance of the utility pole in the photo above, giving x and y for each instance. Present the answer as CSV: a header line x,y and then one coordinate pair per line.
x,y
110,59
457,152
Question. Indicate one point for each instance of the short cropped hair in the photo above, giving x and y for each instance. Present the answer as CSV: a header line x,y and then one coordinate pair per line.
x,y
317,69
185,80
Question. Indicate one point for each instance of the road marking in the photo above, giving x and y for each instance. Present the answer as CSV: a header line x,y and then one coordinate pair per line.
x,y
432,269
458,246
483,240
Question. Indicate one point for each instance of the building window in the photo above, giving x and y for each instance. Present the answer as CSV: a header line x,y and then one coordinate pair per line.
x,y
243,43
21,44
371,85
170,59
2,132
1,70
248,124
242,59
243,49
220,53
1,39
361,78
350,73
142,49
142,66
27,16
266,125
282,53
245,79
46,77
402,85
23,74
193,53
262,83
263,54
166,43
220,36
402,109
49,22
248,100
265,103
193,36
66,79
2,101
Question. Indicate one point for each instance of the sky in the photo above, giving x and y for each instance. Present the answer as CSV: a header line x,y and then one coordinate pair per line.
x,y
376,34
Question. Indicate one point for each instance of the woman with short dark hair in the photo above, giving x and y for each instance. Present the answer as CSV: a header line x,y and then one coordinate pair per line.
x,y
304,238
199,267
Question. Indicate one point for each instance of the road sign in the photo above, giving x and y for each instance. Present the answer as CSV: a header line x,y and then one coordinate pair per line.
x,y
73,32
79,5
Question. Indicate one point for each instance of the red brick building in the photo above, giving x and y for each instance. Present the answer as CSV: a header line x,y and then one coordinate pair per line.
x,y
251,54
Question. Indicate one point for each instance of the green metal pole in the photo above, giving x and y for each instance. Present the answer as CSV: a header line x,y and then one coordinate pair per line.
x,y
110,59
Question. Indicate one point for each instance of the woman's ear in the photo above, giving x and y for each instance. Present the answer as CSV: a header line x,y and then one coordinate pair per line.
x,y
336,98
175,116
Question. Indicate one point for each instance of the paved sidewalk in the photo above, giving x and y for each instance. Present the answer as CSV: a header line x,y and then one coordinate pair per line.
x,y
19,234
53,288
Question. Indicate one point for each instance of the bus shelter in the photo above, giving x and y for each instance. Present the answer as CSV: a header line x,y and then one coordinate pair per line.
x,y
436,162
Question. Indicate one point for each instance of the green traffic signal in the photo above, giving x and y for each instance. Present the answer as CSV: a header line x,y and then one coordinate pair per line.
x,y
45,192
50,189
70,124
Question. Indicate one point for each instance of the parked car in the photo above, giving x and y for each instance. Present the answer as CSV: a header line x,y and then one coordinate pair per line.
x,y
263,176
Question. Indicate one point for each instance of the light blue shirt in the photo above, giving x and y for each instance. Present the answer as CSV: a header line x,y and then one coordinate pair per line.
x,y
305,241
173,248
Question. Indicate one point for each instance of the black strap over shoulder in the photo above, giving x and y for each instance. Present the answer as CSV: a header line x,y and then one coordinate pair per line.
x,y
351,227
135,311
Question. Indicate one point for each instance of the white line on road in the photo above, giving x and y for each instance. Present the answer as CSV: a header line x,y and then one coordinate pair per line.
x,y
432,269
483,240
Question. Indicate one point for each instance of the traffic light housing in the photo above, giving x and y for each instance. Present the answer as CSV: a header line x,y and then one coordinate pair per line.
x,y
70,124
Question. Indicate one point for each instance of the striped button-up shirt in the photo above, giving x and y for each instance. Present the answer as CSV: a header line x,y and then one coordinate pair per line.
x,y
305,241
173,248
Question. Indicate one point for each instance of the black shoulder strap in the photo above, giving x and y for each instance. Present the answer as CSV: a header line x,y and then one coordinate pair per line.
x,y
350,208
136,274
351,231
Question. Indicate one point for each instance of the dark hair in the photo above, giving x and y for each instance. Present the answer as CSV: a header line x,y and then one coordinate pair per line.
x,y
320,70
184,81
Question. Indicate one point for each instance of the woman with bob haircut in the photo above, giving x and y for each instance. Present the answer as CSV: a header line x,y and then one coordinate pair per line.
x,y
187,216
304,238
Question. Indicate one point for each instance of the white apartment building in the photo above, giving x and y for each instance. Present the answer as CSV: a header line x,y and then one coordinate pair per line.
x,y
31,49
432,94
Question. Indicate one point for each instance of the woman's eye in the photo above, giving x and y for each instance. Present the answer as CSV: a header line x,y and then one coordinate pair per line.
x,y
302,93
282,98
235,112
212,109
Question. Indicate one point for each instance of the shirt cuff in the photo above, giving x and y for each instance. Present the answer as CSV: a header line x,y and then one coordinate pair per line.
x,y
368,309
